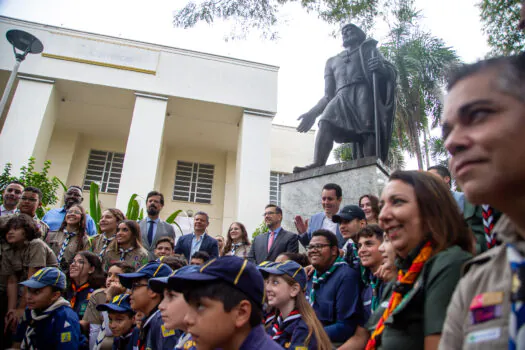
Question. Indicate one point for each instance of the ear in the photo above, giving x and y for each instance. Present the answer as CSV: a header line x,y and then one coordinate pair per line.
x,y
294,290
91,270
242,313
55,296
363,223
447,180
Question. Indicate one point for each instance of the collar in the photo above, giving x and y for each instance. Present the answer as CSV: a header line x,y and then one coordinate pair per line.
x,y
404,264
276,231
155,221
202,236
255,339
508,232
147,319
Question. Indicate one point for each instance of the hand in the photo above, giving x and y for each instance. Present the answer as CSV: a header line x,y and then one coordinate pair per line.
x,y
11,319
375,63
307,122
309,271
113,290
300,224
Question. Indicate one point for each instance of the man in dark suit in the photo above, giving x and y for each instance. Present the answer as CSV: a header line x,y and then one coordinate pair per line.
x,y
199,240
153,228
277,240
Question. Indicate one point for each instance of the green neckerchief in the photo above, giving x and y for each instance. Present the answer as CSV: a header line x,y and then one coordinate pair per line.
x,y
316,281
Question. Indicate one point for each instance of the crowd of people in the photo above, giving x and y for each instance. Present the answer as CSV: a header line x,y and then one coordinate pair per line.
x,y
419,267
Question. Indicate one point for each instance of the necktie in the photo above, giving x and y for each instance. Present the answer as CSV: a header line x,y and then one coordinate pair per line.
x,y
488,225
123,252
517,314
69,235
150,232
270,240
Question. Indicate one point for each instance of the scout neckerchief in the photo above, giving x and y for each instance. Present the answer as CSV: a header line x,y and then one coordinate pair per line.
x,y
517,314
68,235
102,331
488,225
405,281
27,342
280,325
123,252
236,246
76,291
107,241
123,340
370,280
317,281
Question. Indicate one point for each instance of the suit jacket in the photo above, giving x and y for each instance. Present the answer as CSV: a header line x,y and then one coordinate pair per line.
x,y
315,223
163,230
285,242
208,244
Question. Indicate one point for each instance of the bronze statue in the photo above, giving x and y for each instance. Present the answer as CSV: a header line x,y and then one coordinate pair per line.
x,y
359,101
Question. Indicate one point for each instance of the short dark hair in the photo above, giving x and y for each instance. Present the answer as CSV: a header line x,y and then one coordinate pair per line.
x,y
34,190
97,279
370,231
156,193
335,187
225,293
278,210
16,182
21,221
442,171
204,256
299,258
174,261
329,235
124,266
204,214
166,239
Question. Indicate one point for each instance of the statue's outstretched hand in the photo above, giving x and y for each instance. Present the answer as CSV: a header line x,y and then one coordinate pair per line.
x,y
307,121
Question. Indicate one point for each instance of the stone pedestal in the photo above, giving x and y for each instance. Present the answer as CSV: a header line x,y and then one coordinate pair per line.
x,y
301,193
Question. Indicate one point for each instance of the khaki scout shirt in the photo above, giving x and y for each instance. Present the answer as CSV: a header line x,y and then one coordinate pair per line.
x,y
34,254
97,242
485,287
135,258
55,239
94,317
42,226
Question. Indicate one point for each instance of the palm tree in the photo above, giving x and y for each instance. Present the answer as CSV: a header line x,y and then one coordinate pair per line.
x,y
421,61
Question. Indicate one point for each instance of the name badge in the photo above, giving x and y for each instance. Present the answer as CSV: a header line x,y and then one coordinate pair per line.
x,y
483,335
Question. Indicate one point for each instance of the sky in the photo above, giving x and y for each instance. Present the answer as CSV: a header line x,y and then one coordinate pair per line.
x,y
304,45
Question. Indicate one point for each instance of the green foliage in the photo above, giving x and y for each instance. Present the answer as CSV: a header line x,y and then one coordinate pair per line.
x,y
343,152
500,20
133,208
94,204
30,177
438,152
262,228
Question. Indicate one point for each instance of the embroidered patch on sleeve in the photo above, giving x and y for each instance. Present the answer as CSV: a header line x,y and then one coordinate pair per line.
x,y
167,332
65,337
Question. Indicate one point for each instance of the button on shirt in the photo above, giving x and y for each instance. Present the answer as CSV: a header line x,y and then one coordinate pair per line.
x,y
55,217
196,243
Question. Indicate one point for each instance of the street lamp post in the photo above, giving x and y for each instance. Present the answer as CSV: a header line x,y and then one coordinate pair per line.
x,y
26,43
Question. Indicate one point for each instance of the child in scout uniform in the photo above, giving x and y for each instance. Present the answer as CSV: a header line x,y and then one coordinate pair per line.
x,y
48,322
296,326
126,246
226,296
173,307
152,334
121,320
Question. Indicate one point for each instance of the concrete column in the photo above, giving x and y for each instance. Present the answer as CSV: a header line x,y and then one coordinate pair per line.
x,y
230,192
29,124
253,167
143,148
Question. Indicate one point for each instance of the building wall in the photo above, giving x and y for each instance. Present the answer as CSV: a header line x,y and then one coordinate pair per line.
x,y
290,148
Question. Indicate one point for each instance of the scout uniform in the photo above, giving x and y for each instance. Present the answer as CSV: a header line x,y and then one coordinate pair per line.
x,y
382,306
79,296
423,309
370,294
243,275
152,333
185,343
135,257
291,331
95,319
42,226
65,246
98,244
120,304
479,312
56,327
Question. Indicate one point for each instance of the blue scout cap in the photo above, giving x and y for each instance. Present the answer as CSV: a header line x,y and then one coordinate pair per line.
x,y
48,276
241,273
290,268
349,213
151,269
158,284
120,303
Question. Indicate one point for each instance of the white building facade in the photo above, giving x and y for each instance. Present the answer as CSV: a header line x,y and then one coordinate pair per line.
x,y
136,117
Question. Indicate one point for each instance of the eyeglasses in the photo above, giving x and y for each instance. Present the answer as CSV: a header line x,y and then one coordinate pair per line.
x,y
138,285
29,199
316,247
77,212
269,213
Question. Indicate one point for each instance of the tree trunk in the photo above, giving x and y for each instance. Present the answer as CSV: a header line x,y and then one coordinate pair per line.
x,y
425,136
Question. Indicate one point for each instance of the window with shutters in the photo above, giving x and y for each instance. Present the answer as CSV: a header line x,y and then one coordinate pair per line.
x,y
193,182
104,168
275,190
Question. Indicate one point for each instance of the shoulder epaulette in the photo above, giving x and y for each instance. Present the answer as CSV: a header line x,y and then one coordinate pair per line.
x,y
478,260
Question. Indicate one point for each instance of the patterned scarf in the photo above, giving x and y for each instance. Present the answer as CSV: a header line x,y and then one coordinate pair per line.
x,y
279,326
69,235
101,333
76,291
488,225
107,241
123,252
316,281
517,314
405,279
235,246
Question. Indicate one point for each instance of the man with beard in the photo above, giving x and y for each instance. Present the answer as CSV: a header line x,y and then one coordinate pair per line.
x,y
153,228
55,217
11,197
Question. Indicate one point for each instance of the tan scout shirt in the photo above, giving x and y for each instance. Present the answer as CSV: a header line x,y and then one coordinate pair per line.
x,y
135,258
34,254
485,285
94,317
96,243
42,226
55,239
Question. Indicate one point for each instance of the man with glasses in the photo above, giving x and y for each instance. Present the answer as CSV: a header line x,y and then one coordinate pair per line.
x,y
333,291
269,245
11,197
55,217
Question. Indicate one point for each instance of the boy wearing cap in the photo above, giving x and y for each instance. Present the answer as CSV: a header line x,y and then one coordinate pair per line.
x,y
225,297
351,219
152,333
48,321
121,320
